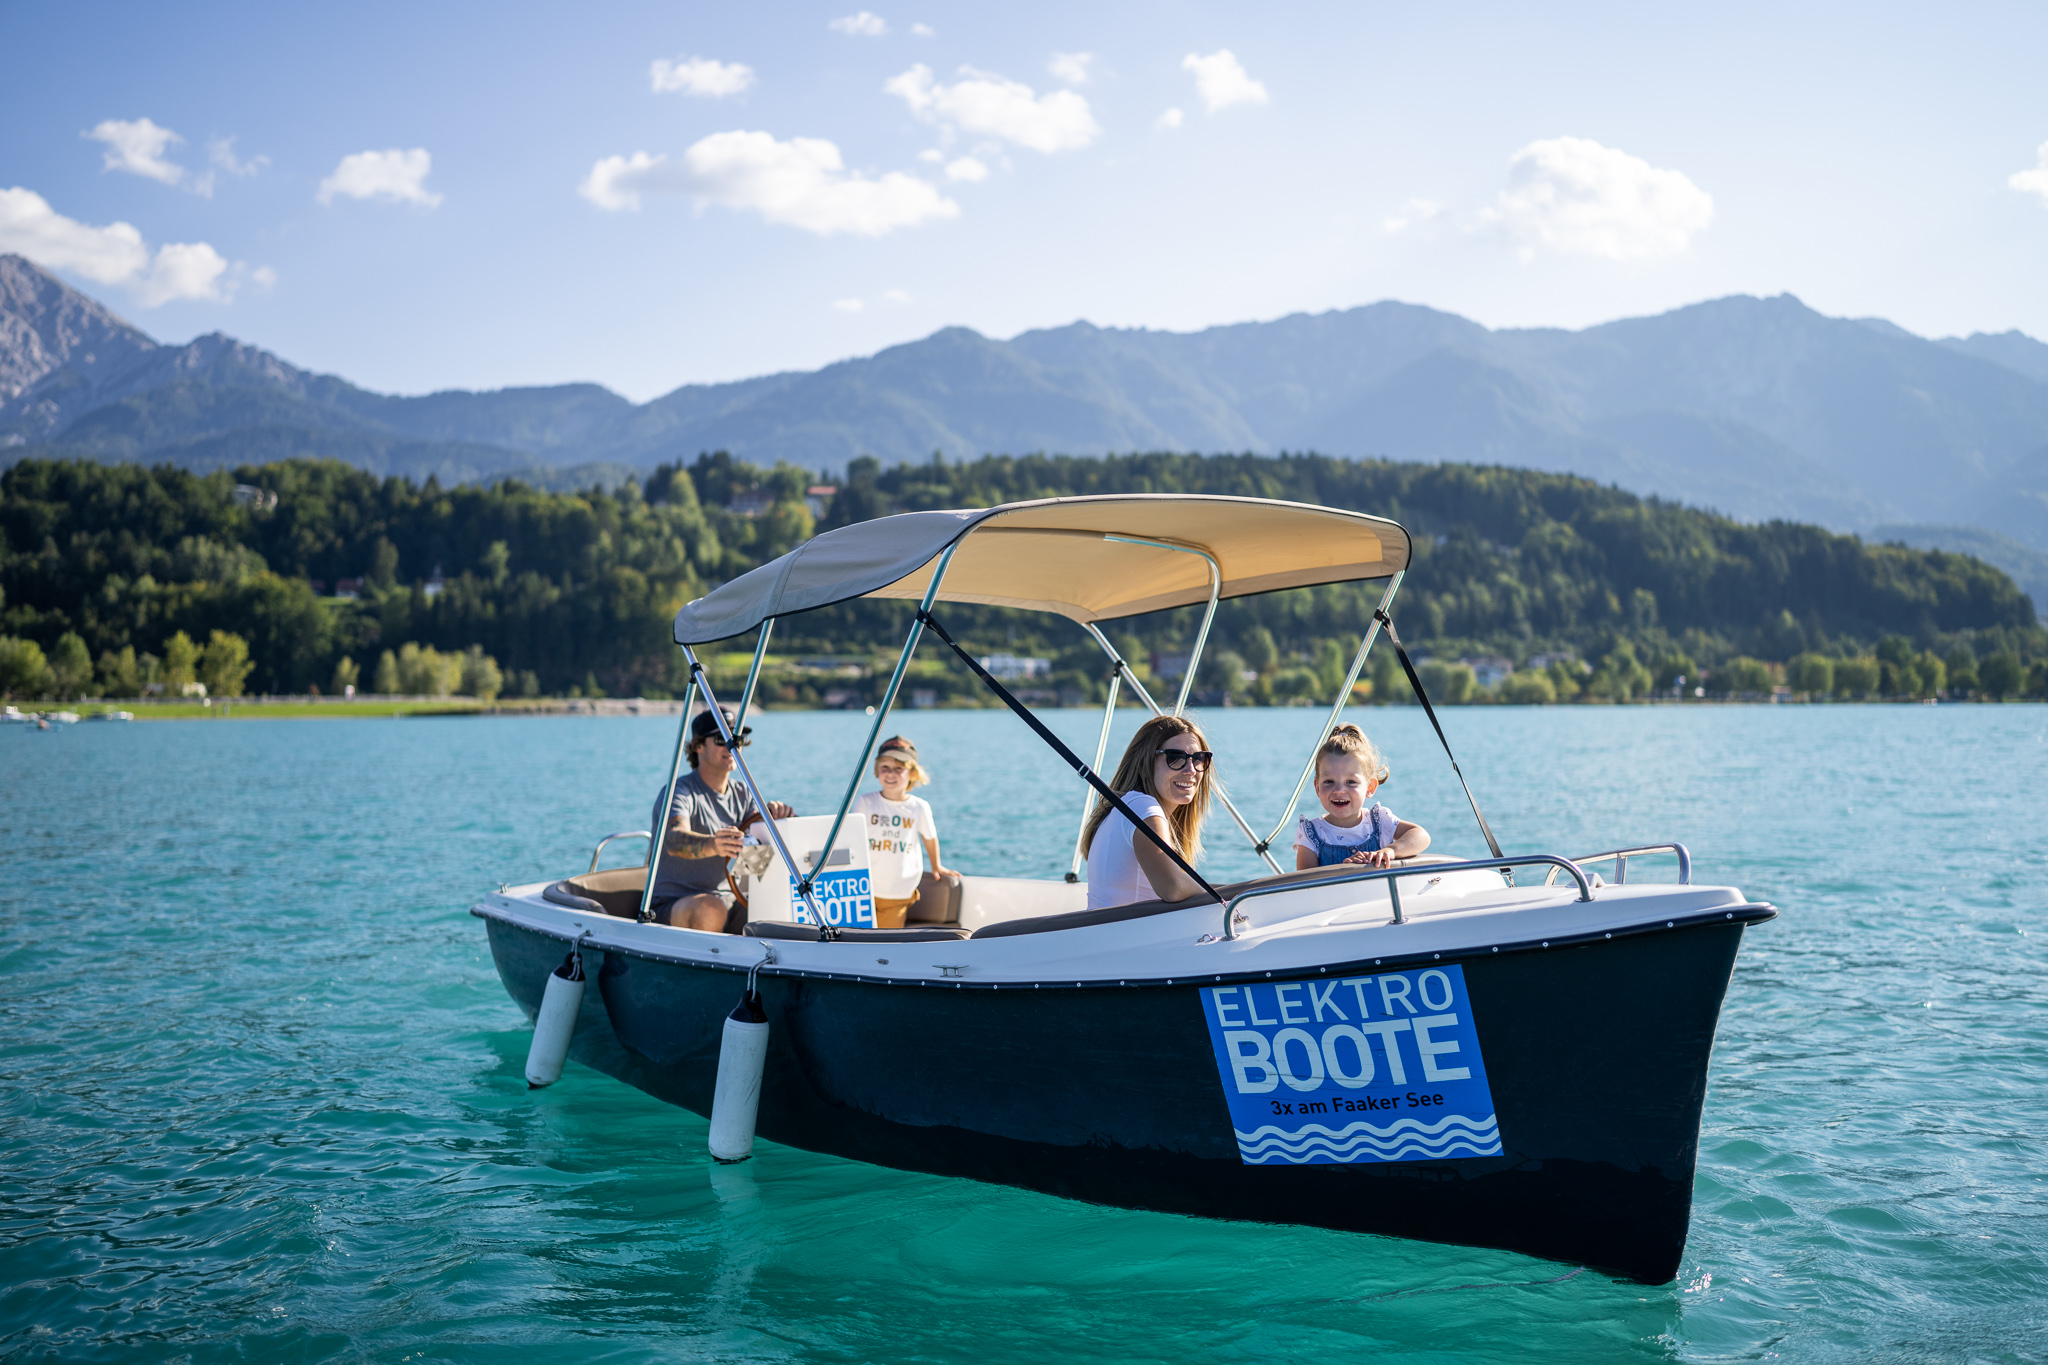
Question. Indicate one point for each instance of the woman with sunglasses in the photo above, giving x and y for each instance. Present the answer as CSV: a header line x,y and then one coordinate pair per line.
x,y
1164,778
707,816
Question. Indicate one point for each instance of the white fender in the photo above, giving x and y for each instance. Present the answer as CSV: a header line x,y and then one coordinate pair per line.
x,y
556,1023
736,1102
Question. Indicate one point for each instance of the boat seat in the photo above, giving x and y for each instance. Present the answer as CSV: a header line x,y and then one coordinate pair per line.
x,y
1113,914
614,891
808,933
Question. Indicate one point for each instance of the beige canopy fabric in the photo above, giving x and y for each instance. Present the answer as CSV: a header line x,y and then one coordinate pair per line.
x,y
1070,556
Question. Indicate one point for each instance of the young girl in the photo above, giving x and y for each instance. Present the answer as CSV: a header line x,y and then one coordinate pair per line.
x,y
1348,771
897,824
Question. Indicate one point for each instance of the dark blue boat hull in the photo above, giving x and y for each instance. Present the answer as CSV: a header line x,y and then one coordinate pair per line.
x,y
1597,1057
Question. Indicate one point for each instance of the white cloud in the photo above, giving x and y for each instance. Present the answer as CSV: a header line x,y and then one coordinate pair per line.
x,y
393,175
931,154
1572,195
114,254
221,154
1172,118
2034,181
181,270
1411,214
802,183
1057,121
967,168
924,30
137,147
862,25
1071,67
848,305
700,76
1221,81
896,296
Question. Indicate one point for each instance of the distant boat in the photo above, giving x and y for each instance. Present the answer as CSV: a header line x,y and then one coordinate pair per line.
x,y
111,715
15,716
64,717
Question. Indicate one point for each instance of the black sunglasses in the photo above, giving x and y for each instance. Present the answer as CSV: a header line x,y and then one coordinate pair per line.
x,y
739,743
1177,759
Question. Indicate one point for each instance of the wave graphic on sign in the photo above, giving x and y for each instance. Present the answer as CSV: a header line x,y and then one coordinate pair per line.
x,y
1452,1134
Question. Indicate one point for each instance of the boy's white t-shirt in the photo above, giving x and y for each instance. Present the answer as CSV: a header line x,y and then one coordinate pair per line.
x,y
896,834
1114,877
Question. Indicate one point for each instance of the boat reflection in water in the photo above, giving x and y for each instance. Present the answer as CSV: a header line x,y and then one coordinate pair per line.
x,y
1508,1052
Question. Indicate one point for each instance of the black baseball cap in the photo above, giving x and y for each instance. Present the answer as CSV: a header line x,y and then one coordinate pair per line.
x,y
704,727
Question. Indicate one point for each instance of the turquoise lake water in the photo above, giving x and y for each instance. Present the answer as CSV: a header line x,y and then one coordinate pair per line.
x,y
261,1093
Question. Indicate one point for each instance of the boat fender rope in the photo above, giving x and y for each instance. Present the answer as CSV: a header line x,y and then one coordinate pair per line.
x,y
1059,747
1408,667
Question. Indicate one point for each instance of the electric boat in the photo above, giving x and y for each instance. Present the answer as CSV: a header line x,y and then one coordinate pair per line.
x,y
1509,1051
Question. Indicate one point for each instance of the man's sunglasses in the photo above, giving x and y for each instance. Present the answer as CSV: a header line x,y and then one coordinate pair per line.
x,y
739,743
1178,759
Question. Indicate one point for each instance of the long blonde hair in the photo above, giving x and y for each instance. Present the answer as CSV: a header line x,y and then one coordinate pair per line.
x,y
1134,774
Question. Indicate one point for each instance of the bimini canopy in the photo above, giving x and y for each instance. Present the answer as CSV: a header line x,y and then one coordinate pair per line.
x,y
1070,556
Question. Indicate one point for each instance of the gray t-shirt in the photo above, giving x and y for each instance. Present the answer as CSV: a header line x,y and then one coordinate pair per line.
x,y
703,811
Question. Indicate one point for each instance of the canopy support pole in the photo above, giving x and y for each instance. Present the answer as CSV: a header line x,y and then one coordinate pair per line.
x,y
1187,682
1123,669
1087,794
860,768
668,799
1337,708
739,720
732,744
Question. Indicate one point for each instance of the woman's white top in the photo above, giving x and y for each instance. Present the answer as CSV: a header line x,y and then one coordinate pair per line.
x,y
1114,877
896,834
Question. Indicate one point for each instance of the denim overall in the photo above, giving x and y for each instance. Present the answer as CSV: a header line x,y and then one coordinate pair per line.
x,y
1326,854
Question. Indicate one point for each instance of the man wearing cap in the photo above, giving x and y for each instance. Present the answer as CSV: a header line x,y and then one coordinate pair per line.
x,y
708,814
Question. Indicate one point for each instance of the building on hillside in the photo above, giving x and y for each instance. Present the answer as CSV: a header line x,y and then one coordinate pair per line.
x,y
1016,667
818,497
1489,669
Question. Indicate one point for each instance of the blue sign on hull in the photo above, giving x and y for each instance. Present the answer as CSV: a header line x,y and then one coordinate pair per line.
x,y
1356,1068
844,896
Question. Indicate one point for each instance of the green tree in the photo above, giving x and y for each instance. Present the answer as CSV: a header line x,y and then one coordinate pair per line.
x,y
1567,679
529,683
1620,676
1742,676
1256,644
386,682
224,664
424,671
120,673
1389,684
1528,688
1448,684
1931,674
1962,670
70,666
345,674
24,672
1811,674
383,565
480,676
181,664
2000,675
1855,677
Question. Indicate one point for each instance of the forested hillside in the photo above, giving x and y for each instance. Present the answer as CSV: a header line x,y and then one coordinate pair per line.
x,y
576,590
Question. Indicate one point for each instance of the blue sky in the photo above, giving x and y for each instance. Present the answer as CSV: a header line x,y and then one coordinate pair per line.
x,y
429,196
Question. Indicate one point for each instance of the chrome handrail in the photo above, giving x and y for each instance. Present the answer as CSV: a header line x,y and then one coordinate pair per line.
x,y
1622,855
598,852
1388,874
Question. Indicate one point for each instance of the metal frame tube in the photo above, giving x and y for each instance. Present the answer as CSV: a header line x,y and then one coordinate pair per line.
x,y
668,797
1388,874
1088,797
1372,633
931,595
1187,683
1123,668
698,679
753,674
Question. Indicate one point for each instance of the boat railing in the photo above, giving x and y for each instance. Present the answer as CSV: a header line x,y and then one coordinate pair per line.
x,y
1392,875
1620,857
598,852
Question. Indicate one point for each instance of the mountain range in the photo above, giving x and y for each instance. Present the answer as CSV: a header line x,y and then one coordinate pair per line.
x,y
1757,407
